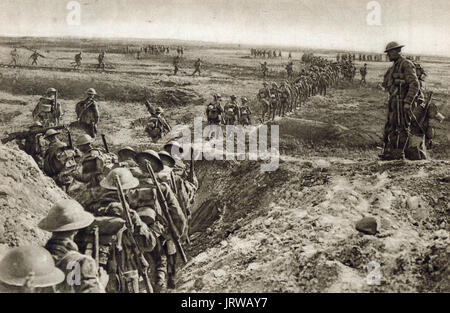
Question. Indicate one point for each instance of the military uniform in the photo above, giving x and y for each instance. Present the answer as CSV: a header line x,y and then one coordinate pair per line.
x,y
214,112
231,112
47,111
88,114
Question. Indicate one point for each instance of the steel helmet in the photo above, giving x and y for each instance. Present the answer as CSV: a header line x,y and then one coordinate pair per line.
x,y
159,110
219,95
244,99
51,90
66,215
151,156
84,140
51,132
233,97
169,146
392,45
91,91
22,263
127,180
126,150
36,124
166,158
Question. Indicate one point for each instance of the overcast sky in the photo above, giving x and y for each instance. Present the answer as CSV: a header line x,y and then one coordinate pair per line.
x,y
423,26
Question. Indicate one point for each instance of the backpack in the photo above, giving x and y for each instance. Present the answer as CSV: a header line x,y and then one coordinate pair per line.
x,y
154,128
212,112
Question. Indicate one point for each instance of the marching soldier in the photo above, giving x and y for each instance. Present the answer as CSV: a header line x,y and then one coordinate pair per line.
x,y
78,58
245,112
88,113
264,100
14,57
197,65
214,111
35,56
363,72
231,111
29,269
48,111
64,220
264,69
101,60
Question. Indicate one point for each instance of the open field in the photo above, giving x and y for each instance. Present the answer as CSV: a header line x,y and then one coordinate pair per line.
x,y
291,230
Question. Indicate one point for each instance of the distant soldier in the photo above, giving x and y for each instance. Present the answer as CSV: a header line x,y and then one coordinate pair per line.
x,y
245,112
264,100
48,111
290,69
35,56
176,65
214,111
29,269
101,60
197,66
157,126
88,113
64,220
290,55
78,58
264,69
363,72
279,54
14,57
231,111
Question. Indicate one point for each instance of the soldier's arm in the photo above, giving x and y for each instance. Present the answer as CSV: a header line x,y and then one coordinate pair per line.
x,y
90,282
412,81
96,112
174,208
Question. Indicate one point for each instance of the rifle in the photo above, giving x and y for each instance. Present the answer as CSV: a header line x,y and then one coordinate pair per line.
x,y
141,262
24,134
105,143
69,136
54,108
165,210
191,170
97,247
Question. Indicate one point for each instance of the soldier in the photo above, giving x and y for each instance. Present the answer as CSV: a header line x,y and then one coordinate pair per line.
x,y
363,72
48,111
157,126
264,69
245,112
88,113
176,64
403,133
64,220
290,55
101,58
14,57
34,145
78,59
149,206
214,111
29,269
127,157
197,65
35,56
59,161
284,96
290,69
274,99
264,100
231,111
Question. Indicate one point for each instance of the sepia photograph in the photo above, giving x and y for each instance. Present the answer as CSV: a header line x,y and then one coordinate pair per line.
x,y
225,151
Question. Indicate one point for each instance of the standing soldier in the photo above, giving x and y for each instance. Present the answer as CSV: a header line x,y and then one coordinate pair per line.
x,y
264,69
35,56
78,59
290,69
363,72
48,111
264,100
214,111
285,96
176,64
406,103
101,60
231,111
14,57
29,269
87,113
245,112
64,220
197,65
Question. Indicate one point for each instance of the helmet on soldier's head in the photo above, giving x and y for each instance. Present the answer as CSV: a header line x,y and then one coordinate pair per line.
x,y
51,90
51,132
265,84
22,263
152,157
66,215
36,124
392,45
126,150
233,97
91,91
84,140
159,110
169,146
127,180
244,99
166,158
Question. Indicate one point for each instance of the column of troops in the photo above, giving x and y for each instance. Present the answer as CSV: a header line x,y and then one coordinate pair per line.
x,y
266,53
128,210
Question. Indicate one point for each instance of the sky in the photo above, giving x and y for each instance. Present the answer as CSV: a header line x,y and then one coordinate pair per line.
x,y
422,26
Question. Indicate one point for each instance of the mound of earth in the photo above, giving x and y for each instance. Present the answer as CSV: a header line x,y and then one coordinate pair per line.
x,y
293,230
26,195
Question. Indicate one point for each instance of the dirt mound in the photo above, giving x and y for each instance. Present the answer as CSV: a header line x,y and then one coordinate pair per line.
x,y
26,195
178,97
293,230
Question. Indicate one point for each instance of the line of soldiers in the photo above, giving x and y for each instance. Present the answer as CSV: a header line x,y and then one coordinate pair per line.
x,y
132,210
265,53
232,113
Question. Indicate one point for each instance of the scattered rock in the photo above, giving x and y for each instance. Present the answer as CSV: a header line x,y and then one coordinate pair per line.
x,y
367,225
